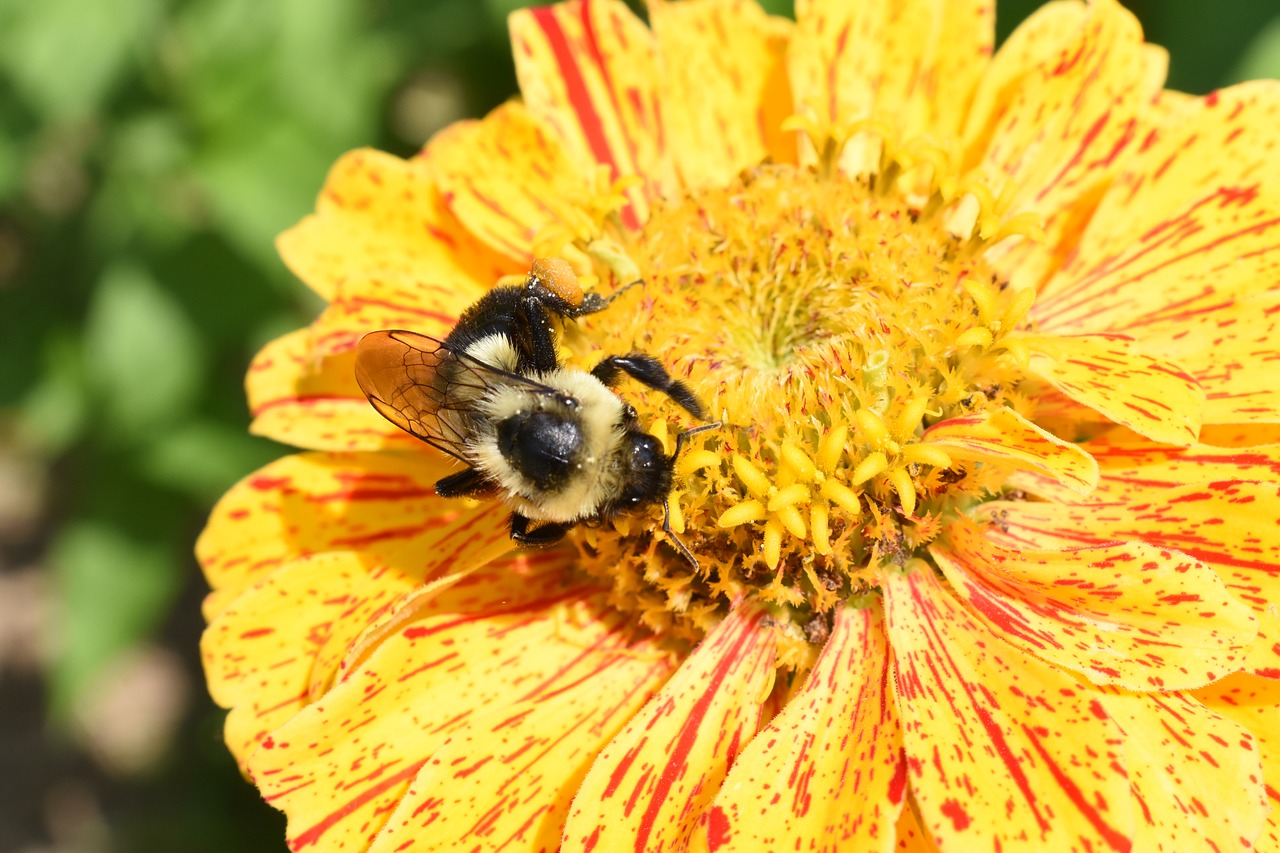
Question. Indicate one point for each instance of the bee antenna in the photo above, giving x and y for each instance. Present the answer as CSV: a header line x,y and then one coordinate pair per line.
x,y
621,290
682,437
666,505
671,535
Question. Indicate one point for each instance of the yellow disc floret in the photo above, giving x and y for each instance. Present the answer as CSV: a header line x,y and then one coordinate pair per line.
x,y
826,322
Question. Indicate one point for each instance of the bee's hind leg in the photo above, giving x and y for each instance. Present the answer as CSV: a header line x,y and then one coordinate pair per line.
x,y
538,537
466,484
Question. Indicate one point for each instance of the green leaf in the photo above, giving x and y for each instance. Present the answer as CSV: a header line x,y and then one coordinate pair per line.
x,y
330,80
203,459
143,354
54,415
113,591
65,56
787,8
1261,59
260,183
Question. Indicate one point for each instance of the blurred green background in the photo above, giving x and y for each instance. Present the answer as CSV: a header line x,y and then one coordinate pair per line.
x,y
150,151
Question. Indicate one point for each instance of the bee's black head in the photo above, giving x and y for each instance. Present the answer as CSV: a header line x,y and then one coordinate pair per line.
x,y
542,445
648,471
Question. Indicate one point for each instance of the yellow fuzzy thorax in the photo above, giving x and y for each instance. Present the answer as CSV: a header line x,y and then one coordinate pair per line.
x,y
826,322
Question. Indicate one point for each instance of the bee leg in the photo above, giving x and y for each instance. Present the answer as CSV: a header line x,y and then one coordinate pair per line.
x,y
465,484
594,302
647,370
535,336
547,534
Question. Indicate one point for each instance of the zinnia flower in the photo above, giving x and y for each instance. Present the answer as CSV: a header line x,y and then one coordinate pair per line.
x,y
989,541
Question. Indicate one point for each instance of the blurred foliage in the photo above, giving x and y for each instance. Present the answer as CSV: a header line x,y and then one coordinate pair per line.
x,y
150,151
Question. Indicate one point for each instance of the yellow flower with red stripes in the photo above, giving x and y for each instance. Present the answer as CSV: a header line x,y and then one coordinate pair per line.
x,y
989,541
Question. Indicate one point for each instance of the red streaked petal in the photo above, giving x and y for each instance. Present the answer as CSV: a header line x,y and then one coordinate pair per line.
x,y
913,64
358,308
259,651
1005,751
649,786
828,772
1231,351
1196,773
911,838
381,219
271,650
1129,614
507,779
505,178
1232,527
299,399
338,767
314,502
1190,222
590,71
1132,468
1047,137
1255,704
1108,374
1240,435
726,88
1005,437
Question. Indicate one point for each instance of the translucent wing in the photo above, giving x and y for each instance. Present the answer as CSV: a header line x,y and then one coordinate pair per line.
x,y
427,389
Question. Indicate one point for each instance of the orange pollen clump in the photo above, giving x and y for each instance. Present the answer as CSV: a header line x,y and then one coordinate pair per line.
x,y
827,322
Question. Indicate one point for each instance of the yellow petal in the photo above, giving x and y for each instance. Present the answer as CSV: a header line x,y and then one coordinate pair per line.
x,y
315,404
258,652
339,766
315,502
651,783
1005,437
280,644
914,63
1189,223
1255,704
995,737
1196,773
1109,374
366,306
726,90
1034,43
1132,467
479,536
1240,435
381,219
911,838
1056,131
590,72
506,780
1129,614
1231,351
505,178
1232,527
829,771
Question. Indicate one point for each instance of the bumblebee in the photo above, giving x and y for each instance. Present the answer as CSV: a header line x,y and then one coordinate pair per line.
x,y
556,443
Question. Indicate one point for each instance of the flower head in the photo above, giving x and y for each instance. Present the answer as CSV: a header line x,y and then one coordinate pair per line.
x,y
987,540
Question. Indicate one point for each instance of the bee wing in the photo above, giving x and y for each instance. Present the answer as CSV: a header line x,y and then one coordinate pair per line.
x,y
400,372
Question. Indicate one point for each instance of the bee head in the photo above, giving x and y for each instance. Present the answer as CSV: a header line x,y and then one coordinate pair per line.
x,y
649,470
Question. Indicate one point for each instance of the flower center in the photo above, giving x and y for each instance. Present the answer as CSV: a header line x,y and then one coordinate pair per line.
x,y
826,323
